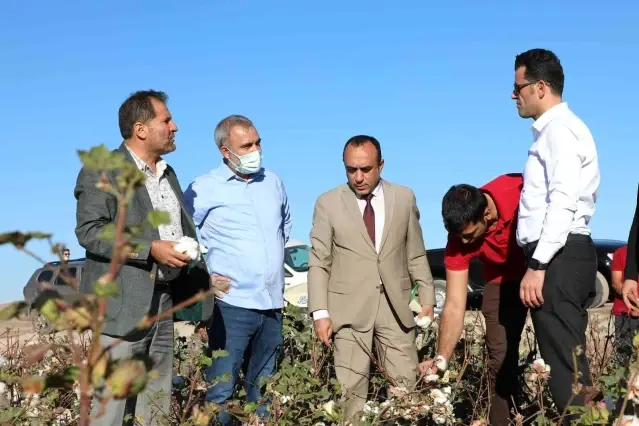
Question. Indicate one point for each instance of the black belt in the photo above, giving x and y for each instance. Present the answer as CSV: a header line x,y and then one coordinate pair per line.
x,y
529,248
162,286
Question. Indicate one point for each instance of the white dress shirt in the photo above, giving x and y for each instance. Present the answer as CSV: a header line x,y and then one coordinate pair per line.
x,y
561,179
377,202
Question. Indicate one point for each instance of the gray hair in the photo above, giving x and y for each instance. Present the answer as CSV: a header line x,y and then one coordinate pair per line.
x,y
223,129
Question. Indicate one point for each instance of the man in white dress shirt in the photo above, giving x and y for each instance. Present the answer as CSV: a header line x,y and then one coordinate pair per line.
x,y
561,178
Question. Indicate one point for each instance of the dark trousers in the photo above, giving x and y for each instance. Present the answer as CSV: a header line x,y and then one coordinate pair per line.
x,y
505,317
560,323
625,329
252,338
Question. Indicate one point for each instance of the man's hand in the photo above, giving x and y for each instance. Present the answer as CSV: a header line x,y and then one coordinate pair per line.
x,y
221,285
530,291
427,367
630,296
324,330
164,254
437,365
427,311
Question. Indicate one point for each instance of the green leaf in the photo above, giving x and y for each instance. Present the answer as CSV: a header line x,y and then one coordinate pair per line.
x,y
158,217
204,360
250,407
101,158
220,353
129,176
72,373
108,232
8,415
12,310
20,239
104,287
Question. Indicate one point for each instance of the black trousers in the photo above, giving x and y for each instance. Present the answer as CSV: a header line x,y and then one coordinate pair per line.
x,y
560,323
505,317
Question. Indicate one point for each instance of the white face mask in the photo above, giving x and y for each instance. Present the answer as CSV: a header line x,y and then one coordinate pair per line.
x,y
249,163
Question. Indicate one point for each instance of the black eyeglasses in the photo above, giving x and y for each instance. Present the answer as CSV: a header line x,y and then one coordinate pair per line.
x,y
517,88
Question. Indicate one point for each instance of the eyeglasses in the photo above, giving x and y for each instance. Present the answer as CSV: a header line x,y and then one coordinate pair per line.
x,y
517,88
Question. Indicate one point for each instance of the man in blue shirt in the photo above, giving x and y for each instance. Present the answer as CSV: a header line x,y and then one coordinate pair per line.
x,y
243,215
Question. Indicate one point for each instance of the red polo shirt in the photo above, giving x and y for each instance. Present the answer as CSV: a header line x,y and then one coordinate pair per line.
x,y
619,264
502,258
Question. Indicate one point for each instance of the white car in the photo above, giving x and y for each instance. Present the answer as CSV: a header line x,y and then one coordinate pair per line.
x,y
295,273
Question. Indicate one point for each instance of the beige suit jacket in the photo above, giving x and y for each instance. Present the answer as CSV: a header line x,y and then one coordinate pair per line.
x,y
345,270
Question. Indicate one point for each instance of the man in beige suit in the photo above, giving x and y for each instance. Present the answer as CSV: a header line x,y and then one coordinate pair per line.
x,y
367,251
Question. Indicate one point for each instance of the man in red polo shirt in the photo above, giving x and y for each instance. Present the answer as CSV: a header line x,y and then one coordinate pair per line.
x,y
626,322
481,222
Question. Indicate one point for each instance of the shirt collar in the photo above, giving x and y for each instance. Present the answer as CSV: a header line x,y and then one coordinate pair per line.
x,y
548,116
161,165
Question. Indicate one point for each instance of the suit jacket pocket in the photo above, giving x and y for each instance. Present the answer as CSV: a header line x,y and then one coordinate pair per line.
x,y
339,287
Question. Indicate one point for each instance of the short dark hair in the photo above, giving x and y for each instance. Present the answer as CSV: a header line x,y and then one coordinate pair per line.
x,y
138,108
462,205
542,65
360,140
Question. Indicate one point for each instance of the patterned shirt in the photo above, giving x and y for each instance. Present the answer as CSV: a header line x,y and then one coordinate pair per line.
x,y
163,199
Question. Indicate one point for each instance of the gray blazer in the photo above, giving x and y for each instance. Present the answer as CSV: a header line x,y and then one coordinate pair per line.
x,y
95,209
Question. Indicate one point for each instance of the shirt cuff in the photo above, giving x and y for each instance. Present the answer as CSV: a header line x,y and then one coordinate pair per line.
x,y
319,314
456,266
545,251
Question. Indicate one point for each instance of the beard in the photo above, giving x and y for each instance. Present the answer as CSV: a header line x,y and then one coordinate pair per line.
x,y
170,146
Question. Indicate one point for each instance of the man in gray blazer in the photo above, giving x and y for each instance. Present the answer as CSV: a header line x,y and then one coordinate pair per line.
x,y
154,278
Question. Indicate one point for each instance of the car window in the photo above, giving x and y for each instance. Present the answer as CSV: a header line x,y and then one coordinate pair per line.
x,y
296,258
72,272
45,276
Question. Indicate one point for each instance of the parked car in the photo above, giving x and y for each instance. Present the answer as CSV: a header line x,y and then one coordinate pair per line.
x,y
49,274
295,272
605,293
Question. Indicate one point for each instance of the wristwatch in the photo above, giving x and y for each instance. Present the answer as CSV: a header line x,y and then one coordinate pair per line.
x,y
536,265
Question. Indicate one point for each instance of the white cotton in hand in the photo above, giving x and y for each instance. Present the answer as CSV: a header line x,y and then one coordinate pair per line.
x,y
422,322
188,246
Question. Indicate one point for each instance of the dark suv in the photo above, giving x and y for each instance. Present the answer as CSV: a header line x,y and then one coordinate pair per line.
x,y
605,293
49,274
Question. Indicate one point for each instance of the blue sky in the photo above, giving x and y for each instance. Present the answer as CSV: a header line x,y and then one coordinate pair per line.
x,y
430,81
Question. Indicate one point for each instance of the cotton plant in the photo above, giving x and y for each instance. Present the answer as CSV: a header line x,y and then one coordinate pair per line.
x,y
426,331
537,374
633,383
404,406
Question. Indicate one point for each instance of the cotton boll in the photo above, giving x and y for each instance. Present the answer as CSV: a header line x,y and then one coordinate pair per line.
x,y
188,246
431,378
423,322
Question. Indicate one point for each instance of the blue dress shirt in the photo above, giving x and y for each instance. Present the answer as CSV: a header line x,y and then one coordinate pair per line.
x,y
244,225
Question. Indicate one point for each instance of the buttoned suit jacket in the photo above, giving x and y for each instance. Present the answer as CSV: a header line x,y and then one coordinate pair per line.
x,y
94,210
345,270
